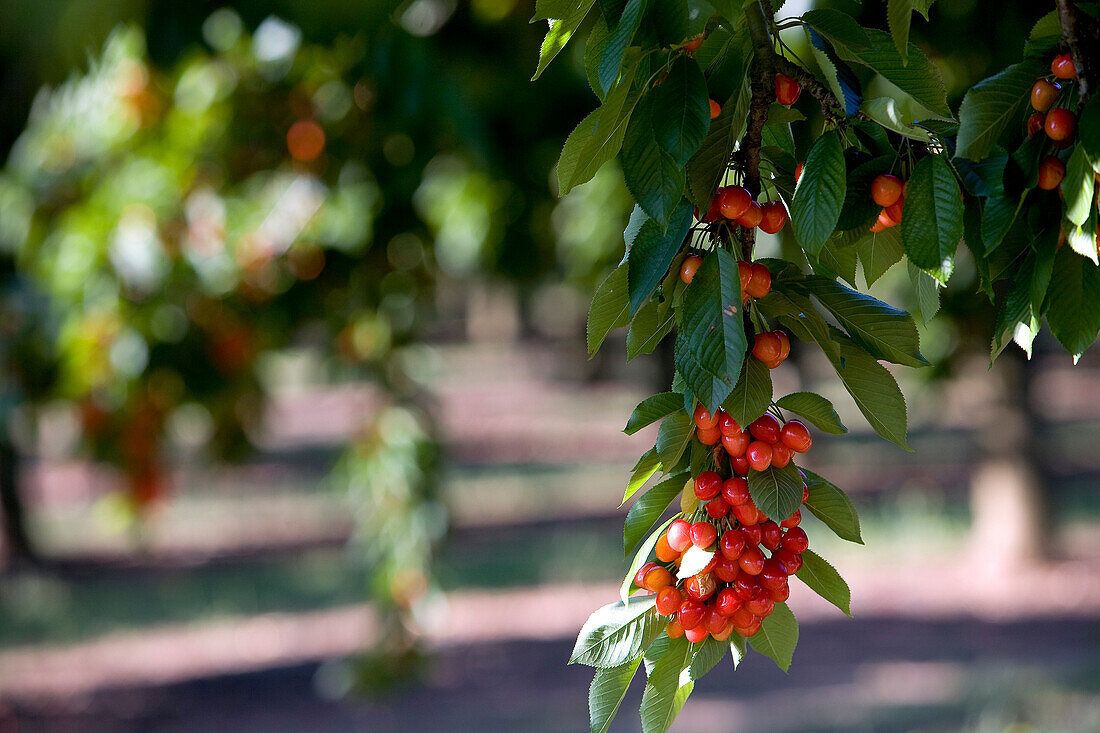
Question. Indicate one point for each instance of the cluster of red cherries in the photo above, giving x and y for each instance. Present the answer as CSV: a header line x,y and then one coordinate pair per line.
x,y
735,204
1058,123
740,585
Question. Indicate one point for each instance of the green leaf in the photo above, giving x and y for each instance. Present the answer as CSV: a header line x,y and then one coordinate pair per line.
x,y
598,138
1082,239
559,33
667,689
991,105
653,177
648,509
839,28
546,9
878,252
820,194
708,653
593,50
915,74
752,395
622,34
933,223
711,343
777,637
871,385
647,465
832,506
618,633
838,258
899,14
652,409
606,694
610,308
860,210
1073,305
685,110
1020,314
706,167
889,113
777,491
673,437
1088,127
816,409
928,292
640,559
1077,190
823,579
656,319
652,252
884,331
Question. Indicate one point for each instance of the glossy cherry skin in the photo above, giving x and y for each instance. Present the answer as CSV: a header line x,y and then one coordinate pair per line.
x,y
727,425
700,586
885,189
798,172
1035,123
781,454
745,514
742,617
658,578
696,635
795,541
717,508
750,630
703,534
715,621
790,561
792,521
759,454
760,283
689,267
1051,173
726,570
746,586
643,571
674,629
679,535
766,428
715,109
773,217
761,605
739,464
668,601
1060,124
894,210
708,436
796,436
753,534
708,485
735,445
770,535
691,614
736,491
751,560
732,544
773,575
766,347
787,90
780,594
752,217
1063,67
1043,94
664,551
703,419
734,201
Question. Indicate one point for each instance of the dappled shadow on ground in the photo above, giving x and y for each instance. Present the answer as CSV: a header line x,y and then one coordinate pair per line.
x,y
867,674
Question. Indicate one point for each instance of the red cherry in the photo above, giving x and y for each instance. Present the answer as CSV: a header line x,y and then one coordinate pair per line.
x,y
748,631
796,436
770,535
708,436
689,266
784,344
805,492
766,428
762,605
715,109
1051,173
752,216
745,513
734,201
700,586
696,635
664,551
774,217
742,617
781,454
751,560
1043,94
658,578
780,594
726,570
759,454
773,575
736,491
885,221
746,586
713,213
1035,123
717,508
766,347
703,534
893,211
727,425
789,560
739,464
1060,124
885,189
668,601
735,445
708,484
691,614
725,633
674,629
798,172
732,544
787,90
679,535
1063,67
744,274
792,521
727,602
715,621
795,540
753,534
643,571
703,419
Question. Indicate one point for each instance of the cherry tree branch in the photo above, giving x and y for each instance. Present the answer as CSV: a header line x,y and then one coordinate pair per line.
x,y
1082,35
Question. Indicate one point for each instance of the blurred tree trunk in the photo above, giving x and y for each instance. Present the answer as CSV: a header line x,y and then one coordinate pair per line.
x,y
1008,497
16,538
